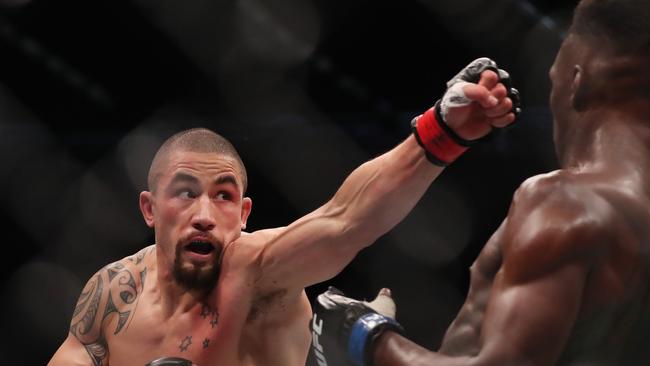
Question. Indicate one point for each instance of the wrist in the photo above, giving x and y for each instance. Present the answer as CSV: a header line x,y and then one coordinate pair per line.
x,y
441,144
363,334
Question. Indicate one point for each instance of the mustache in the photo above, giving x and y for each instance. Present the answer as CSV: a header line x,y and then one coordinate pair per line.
x,y
201,235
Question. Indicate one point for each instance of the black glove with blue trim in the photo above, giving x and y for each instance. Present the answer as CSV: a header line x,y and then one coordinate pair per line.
x,y
344,329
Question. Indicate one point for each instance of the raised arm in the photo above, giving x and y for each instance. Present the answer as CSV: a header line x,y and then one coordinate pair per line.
x,y
379,194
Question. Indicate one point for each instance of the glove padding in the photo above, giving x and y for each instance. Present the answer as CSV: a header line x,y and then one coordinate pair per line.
x,y
343,329
455,96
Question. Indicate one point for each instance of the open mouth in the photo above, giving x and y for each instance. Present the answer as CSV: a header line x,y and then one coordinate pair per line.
x,y
200,247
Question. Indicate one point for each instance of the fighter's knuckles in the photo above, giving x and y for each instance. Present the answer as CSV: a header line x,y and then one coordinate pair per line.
x,y
499,91
503,121
504,107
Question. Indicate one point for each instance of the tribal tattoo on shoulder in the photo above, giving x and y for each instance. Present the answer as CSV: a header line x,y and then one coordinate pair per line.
x,y
112,291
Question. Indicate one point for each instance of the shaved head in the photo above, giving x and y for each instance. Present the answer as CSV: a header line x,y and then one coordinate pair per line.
x,y
199,140
623,22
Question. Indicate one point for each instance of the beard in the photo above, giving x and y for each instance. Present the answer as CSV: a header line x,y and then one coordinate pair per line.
x,y
196,277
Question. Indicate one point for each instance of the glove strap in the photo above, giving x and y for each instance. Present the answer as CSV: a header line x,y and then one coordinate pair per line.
x,y
363,333
441,144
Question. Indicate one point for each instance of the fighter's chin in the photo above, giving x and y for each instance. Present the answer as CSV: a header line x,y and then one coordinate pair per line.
x,y
197,271
196,277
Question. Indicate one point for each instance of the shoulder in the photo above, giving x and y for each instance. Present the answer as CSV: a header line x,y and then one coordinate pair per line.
x,y
131,270
112,290
255,242
556,219
560,200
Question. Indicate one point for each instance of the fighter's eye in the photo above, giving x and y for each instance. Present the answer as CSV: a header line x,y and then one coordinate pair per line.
x,y
186,194
223,196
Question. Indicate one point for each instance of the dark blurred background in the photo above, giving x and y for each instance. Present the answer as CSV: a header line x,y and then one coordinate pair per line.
x,y
305,89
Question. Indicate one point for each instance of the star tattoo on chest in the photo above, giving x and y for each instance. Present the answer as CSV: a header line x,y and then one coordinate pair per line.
x,y
206,343
185,343
215,319
208,312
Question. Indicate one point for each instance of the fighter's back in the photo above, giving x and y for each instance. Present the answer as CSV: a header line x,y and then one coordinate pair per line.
x,y
613,323
606,229
571,260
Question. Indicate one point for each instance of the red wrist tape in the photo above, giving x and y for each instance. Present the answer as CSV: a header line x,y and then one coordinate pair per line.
x,y
441,148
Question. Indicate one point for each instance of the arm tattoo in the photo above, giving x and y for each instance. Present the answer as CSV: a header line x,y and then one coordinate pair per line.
x,y
127,294
93,295
81,328
119,296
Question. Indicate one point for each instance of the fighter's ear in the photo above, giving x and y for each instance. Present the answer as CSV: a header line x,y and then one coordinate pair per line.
x,y
579,88
246,207
146,207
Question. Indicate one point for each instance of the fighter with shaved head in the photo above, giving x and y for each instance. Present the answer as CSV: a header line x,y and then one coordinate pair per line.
x,y
209,294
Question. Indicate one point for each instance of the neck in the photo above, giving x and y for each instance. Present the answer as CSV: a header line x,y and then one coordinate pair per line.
x,y
606,138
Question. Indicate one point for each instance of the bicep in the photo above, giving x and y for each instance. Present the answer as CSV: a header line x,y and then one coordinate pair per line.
x,y
529,322
308,251
72,353
85,338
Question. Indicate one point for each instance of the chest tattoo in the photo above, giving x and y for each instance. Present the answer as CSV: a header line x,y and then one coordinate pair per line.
x,y
185,343
208,312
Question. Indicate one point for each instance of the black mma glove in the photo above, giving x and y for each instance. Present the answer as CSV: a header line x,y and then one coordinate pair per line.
x,y
344,329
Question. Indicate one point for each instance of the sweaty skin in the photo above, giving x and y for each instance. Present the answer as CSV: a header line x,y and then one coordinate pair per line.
x,y
565,279
134,311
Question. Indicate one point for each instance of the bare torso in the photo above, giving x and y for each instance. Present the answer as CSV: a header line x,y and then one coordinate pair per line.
x,y
612,321
235,325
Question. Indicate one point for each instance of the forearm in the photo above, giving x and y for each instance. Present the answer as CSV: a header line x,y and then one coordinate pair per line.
x,y
392,349
381,192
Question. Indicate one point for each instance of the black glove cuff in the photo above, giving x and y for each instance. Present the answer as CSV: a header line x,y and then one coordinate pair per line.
x,y
364,332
